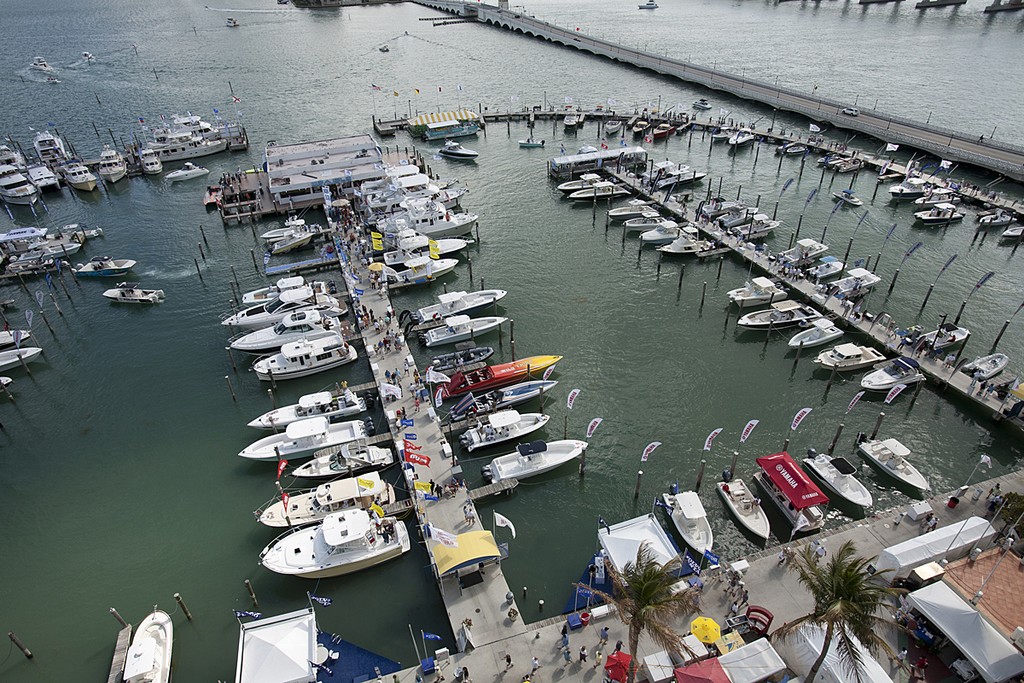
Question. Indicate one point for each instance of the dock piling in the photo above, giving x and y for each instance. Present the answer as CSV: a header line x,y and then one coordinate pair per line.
x,y
700,475
679,286
927,296
785,446
252,593
878,425
1006,323
231,358
835,439
469,262
956,320
203,233
892,284
732,465
20,645
799,350
831,378
639,476
703,293
231,389
114,613
565,426
721,260
183,606
198,270
234,276
201,252
252,253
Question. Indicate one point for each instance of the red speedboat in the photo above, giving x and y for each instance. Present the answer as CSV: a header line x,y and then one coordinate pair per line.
x,y
495,376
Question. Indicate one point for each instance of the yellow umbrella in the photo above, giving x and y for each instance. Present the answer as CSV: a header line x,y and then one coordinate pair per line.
x,y
376,266
706,629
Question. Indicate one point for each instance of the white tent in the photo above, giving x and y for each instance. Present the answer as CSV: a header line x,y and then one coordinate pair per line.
x,y
990,653
621,541
902,558
752,663
802,649
278,649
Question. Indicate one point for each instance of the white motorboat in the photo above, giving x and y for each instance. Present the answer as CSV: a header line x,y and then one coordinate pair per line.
x,y
759,227
346,459
857,283
791,148
820,332
998,219
780,314
806,250
11,157
456,361
345,542
421,270
986,367
613,127
301,438
828,266
40,64
650,4
264,294
757,291
296,326
903,370
601,190
332,405
742,137
179,145
186,172
737,217
500,399
302,298
293,225
291,243
112,165
49,148
688,242
634,208
7,337
150,162
13,358
847,165
911,188
837,474
584,182
890,456
939,214
88,57
430,218
947,336
43,178
938,195
502,426
640,127
104,266
149,656
531,459
669,231
232,22
530,143
646,221
702,104
442,247
306,507
569,121
459,328
306,357
847,357
798,498
745,508
453,150
667,174
24,236
1013,233
687,513
79,177
456,303
131,293
15,188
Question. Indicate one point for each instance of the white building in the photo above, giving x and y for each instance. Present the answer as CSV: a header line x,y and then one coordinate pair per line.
x,y
298,172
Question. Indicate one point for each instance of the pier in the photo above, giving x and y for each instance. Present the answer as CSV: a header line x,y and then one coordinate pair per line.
x,y
124,638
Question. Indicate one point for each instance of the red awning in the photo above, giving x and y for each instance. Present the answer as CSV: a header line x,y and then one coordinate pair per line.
x,y
616,667
707,671
792,481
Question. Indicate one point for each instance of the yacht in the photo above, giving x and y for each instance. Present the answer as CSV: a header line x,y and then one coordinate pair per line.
x,y
430,218
265,294
702,104
355,456
903,370
186,172
305,357
453,150
666,174
420,270
742,137
837,473
420,245
10,157
687,242
49,148
130,293
306,507
112,165
780,314
40,64
531,459
263,315
296,326
181,145
890,456
302,438
150,162
79,177
848,357
687,513
15,188
329,404
757,291
43,178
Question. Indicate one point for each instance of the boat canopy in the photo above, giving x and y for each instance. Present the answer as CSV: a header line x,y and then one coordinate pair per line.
x,y
895,447
340,528
457,320
847,350
451,297
532,447
763,283
689,505
824,324
296,294
860,273
444,116
321,398
368,484
142,659
945,207
843,466
413,181
828,259
905,363
808,243
473,548
303,429
506,418
791,481
417,262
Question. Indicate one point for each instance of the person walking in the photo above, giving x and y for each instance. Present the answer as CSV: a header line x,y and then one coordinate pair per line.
x,y
508,661
597,658
536,665
583,655
604,636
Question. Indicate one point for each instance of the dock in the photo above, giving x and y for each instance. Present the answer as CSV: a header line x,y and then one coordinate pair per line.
x,y
124,639
400,507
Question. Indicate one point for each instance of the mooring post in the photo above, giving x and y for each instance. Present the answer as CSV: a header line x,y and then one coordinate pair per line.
x,y
799,350
956,320
878,425
927,296
639,476
231,389
252,252
20,645
252,593
892,284
198,270
203,233
831,378
732,465
565,426
183,606
120,619
703,293
201,252
1006,323
679,285
700,475
835,439
718,276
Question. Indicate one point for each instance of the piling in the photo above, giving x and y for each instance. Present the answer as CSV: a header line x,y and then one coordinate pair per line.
x,y
469,262
234,277
892,284
201,252
540,605
1006,323
565,426
956,320
42,314
718,277
583,458
639,476
120,619
273,399
831,378
203,233
878,425
183,606
785,446
738,191
799,350
7,392
732,465
700,474
658,272
252,252
703,293
21,646
927,296
231,358
198,270
252,593
231,389
835,439
679,286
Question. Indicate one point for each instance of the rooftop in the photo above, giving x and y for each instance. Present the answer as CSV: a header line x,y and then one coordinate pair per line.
x,y
1003,600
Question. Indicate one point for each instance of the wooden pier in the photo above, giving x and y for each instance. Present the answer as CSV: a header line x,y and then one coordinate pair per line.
x,y
505,486
124,639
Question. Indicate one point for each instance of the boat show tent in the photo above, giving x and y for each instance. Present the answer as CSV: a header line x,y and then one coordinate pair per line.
x,y
278,649
622,541
752,663
987,650
802,648
707,671
950,542
473,548
444,116
792,481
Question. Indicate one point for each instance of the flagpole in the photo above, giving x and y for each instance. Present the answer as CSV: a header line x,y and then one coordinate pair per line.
x,y
415,646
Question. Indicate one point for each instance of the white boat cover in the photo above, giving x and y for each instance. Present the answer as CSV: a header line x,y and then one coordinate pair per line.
x,y
689,505
504,418
752,663
457,320
802,649
763,283
321,398
621,541
990,653
278,649
306,428
904,557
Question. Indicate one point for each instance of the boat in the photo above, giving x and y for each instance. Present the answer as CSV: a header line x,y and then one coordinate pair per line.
x,y
180,145
213,196
88,57
264,294
420,270
292,226
40,64
702,104
149,657
846,357
910,188
820,332
939,214
456,360
459,328
130,293
427,217
938,195
530,143
806,250
305,507
780,314
496,376
760,226
798,498
384,48
634,208
847,165
331,405
986,367
946,336
291,243
79,177
890,456
722,134
687,242
668,174
501,426
736,217
49,148
757,291
186,172
640,126
1013,233
43,178
650,4
903,370
15,188
687,513
13,358
613,127
289,301
742,137
717,207
7,337
354,456
112,165
232,23
745,508
848,197
837,474
453,150
663,130
509,397
601,190
52,80
104,266
305,357
303,437
666,232
857,283
647,220
296,326
455,303
421,245
11,157
996,220
828,266
791,148
531,459
585,181
345,542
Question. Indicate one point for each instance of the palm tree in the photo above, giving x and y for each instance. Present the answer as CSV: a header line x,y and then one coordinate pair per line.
x,y
847,605
645,601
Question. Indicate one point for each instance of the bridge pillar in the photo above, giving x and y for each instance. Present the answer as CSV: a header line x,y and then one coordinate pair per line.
x,y
1008,6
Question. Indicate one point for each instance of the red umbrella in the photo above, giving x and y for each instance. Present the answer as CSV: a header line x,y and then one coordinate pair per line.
x,y
617,666
708,671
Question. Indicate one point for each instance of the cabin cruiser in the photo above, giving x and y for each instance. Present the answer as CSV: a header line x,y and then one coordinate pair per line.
x,y
305,507
742,137
845,357
702,104
794,494
780,314
150,162
837,473
459,328
186,172
453,150
331,405
820,332
10,157
903,370
79,177
181,145
911,188
531,459
456,303
303,437
939,214
890,456
757,291
690,519
354,456
40,64
305,357
298,325
429,217
15,188
289,301
793,148
499,427
112,165
49,148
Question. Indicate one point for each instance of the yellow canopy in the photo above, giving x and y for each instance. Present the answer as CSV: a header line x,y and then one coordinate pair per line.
x,y
460,115
474,547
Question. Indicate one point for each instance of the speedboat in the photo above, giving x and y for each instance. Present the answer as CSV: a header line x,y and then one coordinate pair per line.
x,y
806,250
79,177
302,438
688,242
846,357
347,459
496,376
291,243
130,293
186,172
634,208
531,459
584,182
150,162
13,358
647,220
332,405
996,220
88,57
736,217
104,266
305,357
791,148
667,174
847,165
820,332
717,207
857,283
296,326
948,335
837,473
306,507
15,188
40,64
702,104
911,188
53,80
601,190
455,303
780,314
663,130
569,121
43,178
232,23
149,656
612,128
986,367
828,266
453,150
112,165
501,399
745,508
848,197
794,494
530,143
665,233
7,337
640,126
420,270
903,370
459,328
939,214
264,294
742,137
757,291
289,301
938,195
687,513
889,456
759,227
1013,233
650,4
499,427
345,542
456,360
384,48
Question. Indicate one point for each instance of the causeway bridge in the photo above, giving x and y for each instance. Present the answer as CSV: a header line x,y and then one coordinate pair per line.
x,y
1001,157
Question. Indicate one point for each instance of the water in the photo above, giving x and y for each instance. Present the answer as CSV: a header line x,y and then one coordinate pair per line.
x,y
119,481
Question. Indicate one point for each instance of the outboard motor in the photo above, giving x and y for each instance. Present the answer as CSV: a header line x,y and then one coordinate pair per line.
x,y
487,474
861,438
726,476
811,453
422,337
368,423
332,287
674,488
